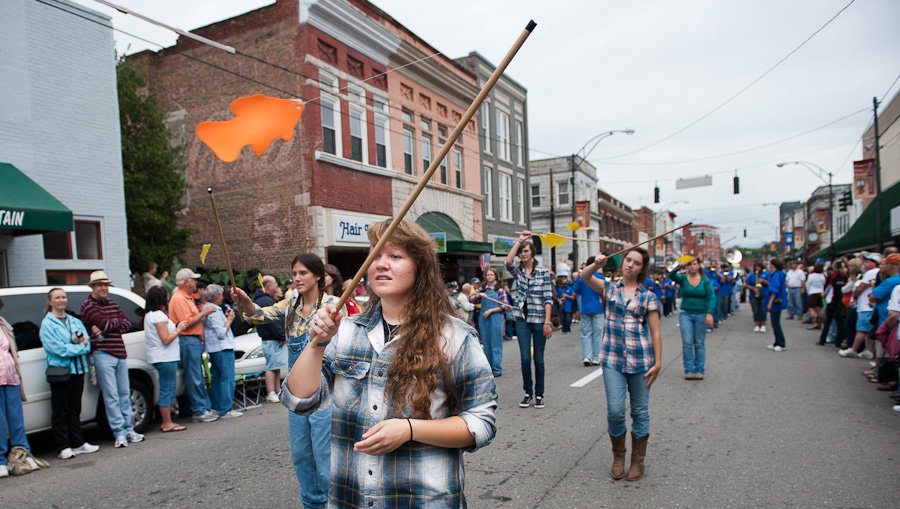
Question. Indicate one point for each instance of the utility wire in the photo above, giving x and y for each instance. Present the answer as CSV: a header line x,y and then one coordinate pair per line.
x,y
739,92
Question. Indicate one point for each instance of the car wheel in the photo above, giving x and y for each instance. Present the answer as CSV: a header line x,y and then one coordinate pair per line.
x,y
141,405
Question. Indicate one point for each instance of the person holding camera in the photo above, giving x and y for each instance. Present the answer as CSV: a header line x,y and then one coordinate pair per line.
x,y
777,302
65,342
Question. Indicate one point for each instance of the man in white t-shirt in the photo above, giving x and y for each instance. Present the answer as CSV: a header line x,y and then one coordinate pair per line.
x,y
795,280
864,327
563,269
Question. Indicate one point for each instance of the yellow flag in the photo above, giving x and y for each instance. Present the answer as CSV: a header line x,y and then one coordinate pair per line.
x,y
684,260
259,278
551,240
203,252
574,226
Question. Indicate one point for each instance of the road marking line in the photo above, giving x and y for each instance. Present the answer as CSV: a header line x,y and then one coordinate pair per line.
x,y
587,379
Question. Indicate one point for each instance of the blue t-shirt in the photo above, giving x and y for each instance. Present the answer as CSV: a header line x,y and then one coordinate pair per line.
x,y
567,304
714,279
590,300
779,288
882,292
653,287
669,287
763,290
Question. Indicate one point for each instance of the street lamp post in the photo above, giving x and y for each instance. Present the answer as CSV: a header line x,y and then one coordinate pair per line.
x,y
818,171
574,164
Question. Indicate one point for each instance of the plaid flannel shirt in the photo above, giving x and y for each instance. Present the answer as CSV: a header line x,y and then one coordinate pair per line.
x,y
294,325
354,376
627,346
535,291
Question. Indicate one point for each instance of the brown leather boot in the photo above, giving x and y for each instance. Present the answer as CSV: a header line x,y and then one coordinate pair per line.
x,y
638,451
618,449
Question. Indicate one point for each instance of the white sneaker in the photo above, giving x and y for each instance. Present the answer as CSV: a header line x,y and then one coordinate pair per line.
x,y
756,328
208,416
762,328
135,437
779,349
848,352
121,441
66,454
865,354
4,471
770,347
586,361
272,397
896,408
85,448
231,414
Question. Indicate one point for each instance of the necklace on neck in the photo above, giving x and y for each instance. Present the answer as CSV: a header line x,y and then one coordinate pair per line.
x,y
390,331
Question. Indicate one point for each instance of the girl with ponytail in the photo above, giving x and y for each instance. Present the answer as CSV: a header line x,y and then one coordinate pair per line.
x,y
310,434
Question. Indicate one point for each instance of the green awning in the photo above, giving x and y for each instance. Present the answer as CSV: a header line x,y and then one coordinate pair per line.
x,y
27,208
861,236
436,222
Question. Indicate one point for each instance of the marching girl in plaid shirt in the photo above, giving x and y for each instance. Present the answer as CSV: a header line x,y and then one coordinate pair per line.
x,y
631,356
409,385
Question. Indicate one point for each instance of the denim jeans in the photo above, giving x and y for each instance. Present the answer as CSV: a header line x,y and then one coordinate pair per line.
x,y
591,335
722,307
221,387
310,437
693,342
194,380
492,340
112,376
758,305
617,385
527,332
776,328
566,318
168,373
11,418
795,303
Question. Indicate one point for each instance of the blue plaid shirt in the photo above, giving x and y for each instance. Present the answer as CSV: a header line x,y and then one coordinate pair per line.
x,y
354,376
626,340
535,291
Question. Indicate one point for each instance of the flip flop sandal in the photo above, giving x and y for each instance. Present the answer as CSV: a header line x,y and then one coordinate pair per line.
x,y
176,427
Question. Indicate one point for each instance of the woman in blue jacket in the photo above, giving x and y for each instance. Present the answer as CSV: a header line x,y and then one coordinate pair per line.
x,y
66,343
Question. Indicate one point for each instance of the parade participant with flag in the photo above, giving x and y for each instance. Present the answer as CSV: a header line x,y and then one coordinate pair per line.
x,y
698,303
410,387
631,358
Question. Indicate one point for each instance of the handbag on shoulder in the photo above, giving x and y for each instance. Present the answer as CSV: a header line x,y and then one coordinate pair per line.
x,y
57,374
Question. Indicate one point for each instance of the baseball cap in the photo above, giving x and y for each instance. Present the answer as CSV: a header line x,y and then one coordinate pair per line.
x,y
474,280
874,257
891,259
453,285
185,274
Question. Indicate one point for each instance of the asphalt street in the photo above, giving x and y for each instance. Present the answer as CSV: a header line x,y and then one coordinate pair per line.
x,y
800,428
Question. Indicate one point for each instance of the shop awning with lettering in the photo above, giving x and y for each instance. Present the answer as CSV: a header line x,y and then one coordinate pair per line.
x,y
26,208
436,222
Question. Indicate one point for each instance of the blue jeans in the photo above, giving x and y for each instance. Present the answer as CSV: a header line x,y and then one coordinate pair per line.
x,y
221,388
775,317
11,418
492,340
310,443
112,377
526,332
194,381
795,302
168,372
566,318
591,334
616,385
693,341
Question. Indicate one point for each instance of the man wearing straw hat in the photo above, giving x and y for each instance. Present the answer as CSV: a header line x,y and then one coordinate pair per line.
x,y
107,322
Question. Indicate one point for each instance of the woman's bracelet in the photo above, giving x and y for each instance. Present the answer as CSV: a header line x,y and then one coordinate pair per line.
x,y
410,429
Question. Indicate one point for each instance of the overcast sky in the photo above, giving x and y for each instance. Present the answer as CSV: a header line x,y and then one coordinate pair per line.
x,y
656,67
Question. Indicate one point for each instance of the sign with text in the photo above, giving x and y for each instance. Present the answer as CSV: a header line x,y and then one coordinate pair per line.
x,y
440,241
789,240
351,229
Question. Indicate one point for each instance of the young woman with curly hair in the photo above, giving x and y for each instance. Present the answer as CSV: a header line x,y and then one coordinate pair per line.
x,y
409,385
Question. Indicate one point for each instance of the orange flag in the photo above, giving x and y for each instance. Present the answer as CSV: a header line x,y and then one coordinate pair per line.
x,y
258,121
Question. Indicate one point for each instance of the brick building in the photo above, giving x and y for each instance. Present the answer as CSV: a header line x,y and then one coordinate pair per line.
x,y
616,223
703,241
361,145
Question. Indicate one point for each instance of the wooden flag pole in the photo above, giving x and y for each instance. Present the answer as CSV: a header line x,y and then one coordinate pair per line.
x,y
460,126
222,240
648,240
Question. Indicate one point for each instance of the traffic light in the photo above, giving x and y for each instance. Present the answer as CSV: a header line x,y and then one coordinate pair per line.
x,y
845,201
745,233
737,185
656,194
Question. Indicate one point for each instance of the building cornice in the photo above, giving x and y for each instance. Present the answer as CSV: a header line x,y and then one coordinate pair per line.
x,y
346,23
433,76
